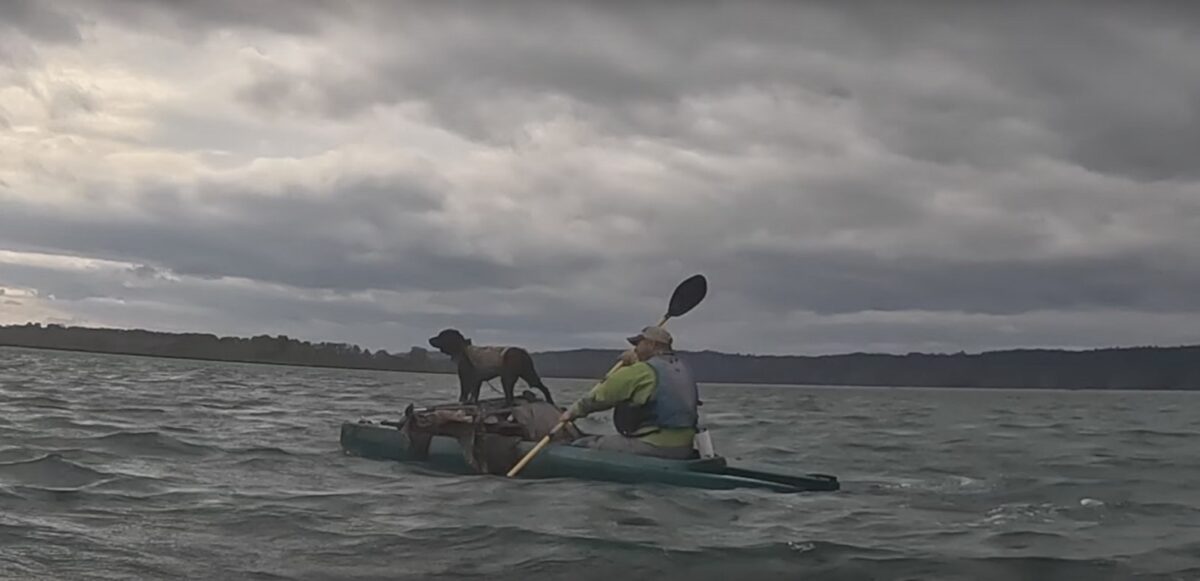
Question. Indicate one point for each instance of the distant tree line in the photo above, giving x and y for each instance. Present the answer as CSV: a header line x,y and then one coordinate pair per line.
x,y
279,349
1115,368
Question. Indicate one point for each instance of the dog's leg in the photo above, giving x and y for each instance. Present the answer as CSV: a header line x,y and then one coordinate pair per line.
x,y
473,391
468,385
508,379
522,363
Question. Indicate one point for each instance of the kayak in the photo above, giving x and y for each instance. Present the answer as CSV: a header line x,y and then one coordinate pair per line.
x,y
386,441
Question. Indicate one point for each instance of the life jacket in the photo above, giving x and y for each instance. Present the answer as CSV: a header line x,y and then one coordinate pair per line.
x,y
672,405
487,361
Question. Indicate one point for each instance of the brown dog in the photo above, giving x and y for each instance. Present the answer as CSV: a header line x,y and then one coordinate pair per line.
x,y
479,364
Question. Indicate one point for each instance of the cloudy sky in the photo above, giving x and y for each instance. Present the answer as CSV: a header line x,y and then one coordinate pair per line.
x,y
935,176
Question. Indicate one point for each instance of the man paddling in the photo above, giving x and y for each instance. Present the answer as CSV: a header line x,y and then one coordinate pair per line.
x,y
654,401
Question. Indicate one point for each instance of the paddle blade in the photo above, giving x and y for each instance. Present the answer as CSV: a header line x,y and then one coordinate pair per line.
x,y
687,295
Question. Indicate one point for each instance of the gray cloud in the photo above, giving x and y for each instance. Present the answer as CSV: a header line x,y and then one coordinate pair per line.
x,y
852,282
983,85
931,175
122,296
287,16
119,297
362,233
146,271
38,20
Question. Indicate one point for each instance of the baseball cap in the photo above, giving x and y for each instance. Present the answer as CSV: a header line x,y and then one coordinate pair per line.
x,y
657,334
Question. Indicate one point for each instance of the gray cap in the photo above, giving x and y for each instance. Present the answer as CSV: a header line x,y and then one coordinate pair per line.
x,y
656,334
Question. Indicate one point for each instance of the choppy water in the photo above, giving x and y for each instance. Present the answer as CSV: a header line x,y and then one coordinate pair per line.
x,y
134,468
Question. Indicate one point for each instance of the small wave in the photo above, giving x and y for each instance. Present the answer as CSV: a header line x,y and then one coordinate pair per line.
x,y
17,454
878,447
946,484
150,443
1041,513
51,424
51,472
132,486
38,401
275,520
775,450
858,418
1032,426
1024,539
137,410
118,487
259,451
1148,432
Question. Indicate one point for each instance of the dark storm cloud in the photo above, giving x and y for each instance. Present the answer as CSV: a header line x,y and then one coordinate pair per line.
x,y
363,233
1113,87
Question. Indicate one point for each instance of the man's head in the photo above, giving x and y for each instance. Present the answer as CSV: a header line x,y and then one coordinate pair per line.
x,y
650,342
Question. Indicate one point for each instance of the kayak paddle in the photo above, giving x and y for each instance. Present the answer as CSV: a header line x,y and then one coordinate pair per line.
x,y
687,295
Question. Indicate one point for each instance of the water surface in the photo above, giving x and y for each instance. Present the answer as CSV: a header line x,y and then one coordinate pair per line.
x,y
118,467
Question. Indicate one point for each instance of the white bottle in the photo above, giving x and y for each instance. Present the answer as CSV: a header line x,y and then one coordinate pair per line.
x,y
704,445
703,440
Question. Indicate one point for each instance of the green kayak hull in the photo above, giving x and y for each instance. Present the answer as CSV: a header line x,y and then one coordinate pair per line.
x,y
382,442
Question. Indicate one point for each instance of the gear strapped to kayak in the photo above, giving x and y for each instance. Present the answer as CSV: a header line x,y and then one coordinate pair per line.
x,y
489,437
487,432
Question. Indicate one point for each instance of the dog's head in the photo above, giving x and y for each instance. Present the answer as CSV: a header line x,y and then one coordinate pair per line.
x,y
450,342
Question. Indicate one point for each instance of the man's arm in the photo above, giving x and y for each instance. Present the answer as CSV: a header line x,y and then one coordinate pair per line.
x,y
617,388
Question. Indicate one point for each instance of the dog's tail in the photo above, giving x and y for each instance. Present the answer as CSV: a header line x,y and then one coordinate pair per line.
x,y
534,380
545,391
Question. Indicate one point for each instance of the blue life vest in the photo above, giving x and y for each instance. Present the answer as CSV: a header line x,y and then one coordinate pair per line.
x,y
672,405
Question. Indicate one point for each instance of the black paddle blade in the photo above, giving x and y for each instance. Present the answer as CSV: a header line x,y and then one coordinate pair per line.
x,y
687,295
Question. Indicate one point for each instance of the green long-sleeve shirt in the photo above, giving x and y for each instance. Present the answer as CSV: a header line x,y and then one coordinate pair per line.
x,y
634,384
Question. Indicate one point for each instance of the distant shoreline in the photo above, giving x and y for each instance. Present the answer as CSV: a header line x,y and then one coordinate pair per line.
x,y
739,383
1125,368
249,362
209,359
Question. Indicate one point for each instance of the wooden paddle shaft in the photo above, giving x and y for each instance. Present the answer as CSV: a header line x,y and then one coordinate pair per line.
x,y
542,444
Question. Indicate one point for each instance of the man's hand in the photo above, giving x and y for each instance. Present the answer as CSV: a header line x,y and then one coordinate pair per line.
x,y
566,416
629,357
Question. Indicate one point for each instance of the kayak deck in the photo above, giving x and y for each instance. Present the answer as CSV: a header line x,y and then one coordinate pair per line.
x,y
379,441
